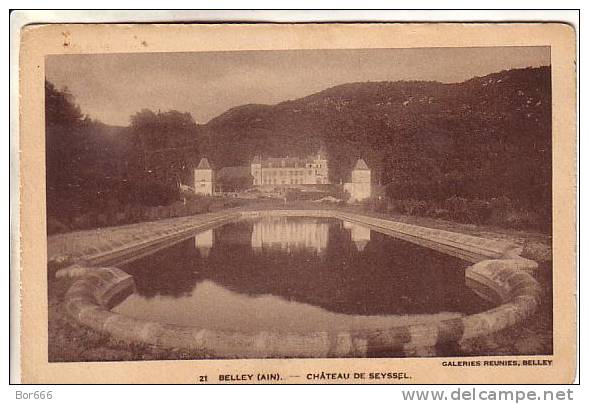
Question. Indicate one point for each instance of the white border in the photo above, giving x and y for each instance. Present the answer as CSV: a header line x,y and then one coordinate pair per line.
x,y
18,19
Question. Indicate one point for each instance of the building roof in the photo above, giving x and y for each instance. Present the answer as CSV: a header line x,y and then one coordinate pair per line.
x,y
204,164
361,165
291,162
285,162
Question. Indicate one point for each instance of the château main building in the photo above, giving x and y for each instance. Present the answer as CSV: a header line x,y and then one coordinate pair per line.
x,y
290,170
282,172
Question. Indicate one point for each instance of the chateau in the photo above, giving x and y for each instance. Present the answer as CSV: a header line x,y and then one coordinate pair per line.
x,y
280,172
290,170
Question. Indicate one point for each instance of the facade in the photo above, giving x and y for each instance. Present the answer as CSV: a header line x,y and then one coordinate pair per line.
x,y
287,171
280,172
204,178
360,187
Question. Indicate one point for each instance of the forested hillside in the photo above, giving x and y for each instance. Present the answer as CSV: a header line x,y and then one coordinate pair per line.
x,y
433,146
488,137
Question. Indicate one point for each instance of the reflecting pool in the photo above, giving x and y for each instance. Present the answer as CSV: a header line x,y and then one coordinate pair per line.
x,y
297,274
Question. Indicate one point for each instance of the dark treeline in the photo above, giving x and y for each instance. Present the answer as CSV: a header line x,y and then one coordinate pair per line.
x,y
85,159
464,151
100,175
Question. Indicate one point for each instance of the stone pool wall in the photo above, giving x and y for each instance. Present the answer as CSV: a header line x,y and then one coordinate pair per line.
x,y
517,295
119,244
498,275
110,245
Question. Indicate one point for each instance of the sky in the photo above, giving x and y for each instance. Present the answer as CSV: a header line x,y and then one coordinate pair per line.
x,y
113,87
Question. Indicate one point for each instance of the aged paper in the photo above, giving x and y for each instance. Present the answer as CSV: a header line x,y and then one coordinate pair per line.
x,y
87,317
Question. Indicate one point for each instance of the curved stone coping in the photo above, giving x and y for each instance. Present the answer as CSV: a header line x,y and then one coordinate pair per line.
x,y
516,293
88,243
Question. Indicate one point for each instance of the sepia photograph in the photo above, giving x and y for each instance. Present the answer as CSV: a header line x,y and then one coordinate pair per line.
x,y
391,203
317,203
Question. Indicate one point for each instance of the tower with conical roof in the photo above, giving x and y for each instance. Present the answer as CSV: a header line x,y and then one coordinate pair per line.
x,y
204,178
360,187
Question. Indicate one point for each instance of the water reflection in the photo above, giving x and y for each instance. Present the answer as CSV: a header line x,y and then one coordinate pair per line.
x,y
213,306
204,242
322,272
287,234
360,234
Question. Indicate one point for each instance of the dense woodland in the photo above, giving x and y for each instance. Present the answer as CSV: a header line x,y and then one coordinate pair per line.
x,y
477,151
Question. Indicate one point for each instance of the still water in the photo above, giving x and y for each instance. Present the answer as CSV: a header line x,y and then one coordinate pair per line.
x,y
297,274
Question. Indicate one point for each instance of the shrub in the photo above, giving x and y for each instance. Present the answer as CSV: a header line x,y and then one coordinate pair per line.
x,y
479,211
376,204
437,212
412,207
458,209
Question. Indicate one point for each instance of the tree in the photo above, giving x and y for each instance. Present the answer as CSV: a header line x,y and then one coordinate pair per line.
x,y
63,141
166,145
85,158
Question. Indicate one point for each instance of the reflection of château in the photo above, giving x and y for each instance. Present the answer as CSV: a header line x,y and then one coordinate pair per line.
x,y
204,242
287,234
360,234
290,234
